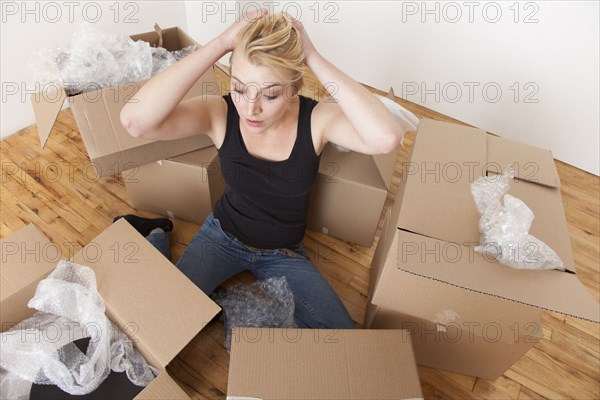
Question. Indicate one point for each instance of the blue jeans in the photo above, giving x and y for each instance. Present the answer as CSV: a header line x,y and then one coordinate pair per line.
x,y
213,256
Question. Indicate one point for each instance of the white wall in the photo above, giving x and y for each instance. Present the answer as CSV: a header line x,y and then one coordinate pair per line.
x,y
29,27
550,63
527,71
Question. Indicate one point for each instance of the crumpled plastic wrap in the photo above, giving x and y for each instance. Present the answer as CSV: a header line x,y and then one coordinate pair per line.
x,y
40,349
504,226
407,120
266,303
95,60
163,58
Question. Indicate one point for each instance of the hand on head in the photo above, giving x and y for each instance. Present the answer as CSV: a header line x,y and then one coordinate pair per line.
x,y
230,34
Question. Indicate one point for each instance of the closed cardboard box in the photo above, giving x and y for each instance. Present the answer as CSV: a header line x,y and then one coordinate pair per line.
x,y
349,194
140,288
348,197
184,187
319,364
97,114
426,272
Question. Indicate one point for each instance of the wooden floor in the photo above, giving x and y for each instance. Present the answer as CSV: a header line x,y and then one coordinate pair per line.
x,y
52,189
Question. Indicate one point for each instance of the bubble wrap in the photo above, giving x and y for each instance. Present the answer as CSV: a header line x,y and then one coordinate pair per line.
x,y
162,58
407,120
40,349
267,303
504,227
97,60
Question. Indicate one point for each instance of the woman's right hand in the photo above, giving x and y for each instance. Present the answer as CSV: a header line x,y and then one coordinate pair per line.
x,y
229,36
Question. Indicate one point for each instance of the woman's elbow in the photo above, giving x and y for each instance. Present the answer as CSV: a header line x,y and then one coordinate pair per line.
x,y
130,126
391,141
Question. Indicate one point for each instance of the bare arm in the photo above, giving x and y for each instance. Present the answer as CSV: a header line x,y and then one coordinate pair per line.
x,y
356,119
150,107
157,111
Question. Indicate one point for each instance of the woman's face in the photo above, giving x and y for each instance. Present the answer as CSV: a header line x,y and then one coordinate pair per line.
x,y
262,95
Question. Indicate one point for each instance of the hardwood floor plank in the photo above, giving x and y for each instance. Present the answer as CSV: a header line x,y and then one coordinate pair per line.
x,y
450,388
499,389
546,376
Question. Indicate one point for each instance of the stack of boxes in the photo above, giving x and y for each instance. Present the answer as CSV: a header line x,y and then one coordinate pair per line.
x,y
459,310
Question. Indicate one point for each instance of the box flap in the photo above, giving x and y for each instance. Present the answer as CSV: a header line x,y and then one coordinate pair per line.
x,y
322,364
199,157
531,163
162,387
385,165
27,255
46,106
446,158
460,266
350,166
549,221
158,306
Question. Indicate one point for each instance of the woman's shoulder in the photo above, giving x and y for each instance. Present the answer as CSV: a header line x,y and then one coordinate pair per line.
x,y
216,107
317,122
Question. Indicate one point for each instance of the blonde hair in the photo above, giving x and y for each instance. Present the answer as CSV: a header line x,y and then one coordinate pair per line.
x,y
273,41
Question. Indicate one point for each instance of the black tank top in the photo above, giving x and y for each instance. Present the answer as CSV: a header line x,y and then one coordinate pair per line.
x,y
265,203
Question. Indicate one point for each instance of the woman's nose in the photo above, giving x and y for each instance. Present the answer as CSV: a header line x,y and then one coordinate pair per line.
x,y
254,106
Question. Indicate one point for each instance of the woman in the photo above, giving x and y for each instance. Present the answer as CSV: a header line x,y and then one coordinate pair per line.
x,y
269,140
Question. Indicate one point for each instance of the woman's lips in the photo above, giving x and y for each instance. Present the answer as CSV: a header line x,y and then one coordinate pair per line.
x,y
255,124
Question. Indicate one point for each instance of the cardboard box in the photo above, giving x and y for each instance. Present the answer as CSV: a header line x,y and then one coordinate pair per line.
x,y
139,286
184,187
426,273
97,113
320,364
348,197
349,194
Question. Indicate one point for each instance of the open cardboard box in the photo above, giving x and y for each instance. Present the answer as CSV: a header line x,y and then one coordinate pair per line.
x,y
139,286
306,364
467,312
190,185
97,114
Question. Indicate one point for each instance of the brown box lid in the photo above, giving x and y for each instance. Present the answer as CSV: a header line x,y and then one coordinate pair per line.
x,y
319,364
144,292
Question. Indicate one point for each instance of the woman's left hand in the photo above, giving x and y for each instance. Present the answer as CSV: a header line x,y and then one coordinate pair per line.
x,y
309,49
